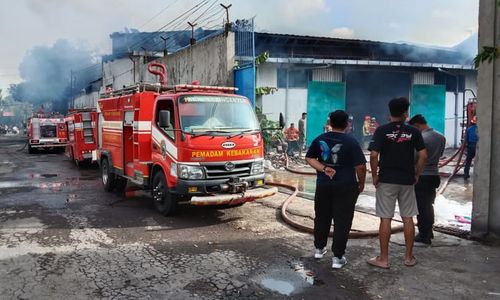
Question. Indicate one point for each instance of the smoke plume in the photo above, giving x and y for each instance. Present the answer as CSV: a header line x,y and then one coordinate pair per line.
x,y
46,74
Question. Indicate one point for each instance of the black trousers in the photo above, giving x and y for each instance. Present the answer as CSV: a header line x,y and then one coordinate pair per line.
x,y
425,191
471,153
334,201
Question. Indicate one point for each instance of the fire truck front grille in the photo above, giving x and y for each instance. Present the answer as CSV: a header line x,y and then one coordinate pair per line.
x,y
219,171
48,131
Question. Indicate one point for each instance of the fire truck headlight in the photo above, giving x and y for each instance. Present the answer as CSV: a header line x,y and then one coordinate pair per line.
x,y
190,172
257,168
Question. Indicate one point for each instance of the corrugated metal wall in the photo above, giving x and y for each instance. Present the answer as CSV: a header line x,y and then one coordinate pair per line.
x,y
327,75
423,78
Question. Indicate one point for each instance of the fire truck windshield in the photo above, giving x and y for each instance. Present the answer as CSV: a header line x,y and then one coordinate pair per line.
x,y
216,115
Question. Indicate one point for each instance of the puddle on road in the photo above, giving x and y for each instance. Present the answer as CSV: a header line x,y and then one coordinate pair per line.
x,y
280,286
307,275
42,175
288,281
53,186
305,183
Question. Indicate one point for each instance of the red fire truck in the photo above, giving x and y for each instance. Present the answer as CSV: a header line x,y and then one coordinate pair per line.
x,y
186,143
82,135
46,132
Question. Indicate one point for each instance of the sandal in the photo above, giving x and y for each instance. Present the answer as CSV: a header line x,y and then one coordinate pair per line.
x,y
411,262
376,263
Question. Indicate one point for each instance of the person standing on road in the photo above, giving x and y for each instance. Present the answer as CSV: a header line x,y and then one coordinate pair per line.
x,y
341,172
302,133
429,181
471,139
392,161
292,138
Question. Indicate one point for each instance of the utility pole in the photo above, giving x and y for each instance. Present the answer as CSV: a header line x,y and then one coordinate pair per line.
x,y
164,38
227,26
72,93
193,41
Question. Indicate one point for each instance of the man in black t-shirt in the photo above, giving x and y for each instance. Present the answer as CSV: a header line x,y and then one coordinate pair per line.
x,y
394,172
341,167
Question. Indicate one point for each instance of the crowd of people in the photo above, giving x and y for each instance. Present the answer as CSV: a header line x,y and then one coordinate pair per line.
x,y
9,129
404,158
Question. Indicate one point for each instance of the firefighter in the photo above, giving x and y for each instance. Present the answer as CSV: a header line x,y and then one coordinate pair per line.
x,y
292,139
471,139
367,135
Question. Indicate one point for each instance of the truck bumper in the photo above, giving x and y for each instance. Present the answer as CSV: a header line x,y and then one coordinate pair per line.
x,y
47,145
233,199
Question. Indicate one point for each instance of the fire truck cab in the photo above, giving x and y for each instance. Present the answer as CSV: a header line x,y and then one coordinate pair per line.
x,y
82,135
46,132
186,143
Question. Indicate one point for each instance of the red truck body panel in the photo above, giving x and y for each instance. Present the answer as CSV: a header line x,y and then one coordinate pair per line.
x,y
82,134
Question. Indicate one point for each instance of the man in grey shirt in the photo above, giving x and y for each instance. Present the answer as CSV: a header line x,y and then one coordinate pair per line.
x,y
429,181
302,133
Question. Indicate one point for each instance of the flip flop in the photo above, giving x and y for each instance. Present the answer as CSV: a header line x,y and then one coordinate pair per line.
x,y
411,262
375,261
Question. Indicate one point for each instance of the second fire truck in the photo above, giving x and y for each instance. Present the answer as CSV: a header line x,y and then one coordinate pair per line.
x,y
82,135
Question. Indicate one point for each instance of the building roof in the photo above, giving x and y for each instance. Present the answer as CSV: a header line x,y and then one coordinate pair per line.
x,y
300,46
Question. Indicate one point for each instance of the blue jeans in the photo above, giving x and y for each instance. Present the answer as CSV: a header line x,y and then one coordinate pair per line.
x,y
471,153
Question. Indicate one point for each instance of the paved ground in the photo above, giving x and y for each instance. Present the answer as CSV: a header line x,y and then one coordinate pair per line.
x,y
62,236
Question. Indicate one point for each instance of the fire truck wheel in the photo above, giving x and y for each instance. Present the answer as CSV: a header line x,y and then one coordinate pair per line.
x,y
31,150
108,177
164,202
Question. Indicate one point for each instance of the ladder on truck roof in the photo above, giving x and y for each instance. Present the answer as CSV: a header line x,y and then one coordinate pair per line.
x,y
178,88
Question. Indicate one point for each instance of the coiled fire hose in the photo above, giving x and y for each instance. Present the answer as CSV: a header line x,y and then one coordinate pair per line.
x,y
304,228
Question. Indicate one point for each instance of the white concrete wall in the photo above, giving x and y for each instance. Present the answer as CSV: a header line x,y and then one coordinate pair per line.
x,y
86,100
267,75
120,72
449,124
273,105
210,61
470,83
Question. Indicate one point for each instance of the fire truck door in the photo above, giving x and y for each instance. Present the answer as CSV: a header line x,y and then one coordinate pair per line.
x,y
128,143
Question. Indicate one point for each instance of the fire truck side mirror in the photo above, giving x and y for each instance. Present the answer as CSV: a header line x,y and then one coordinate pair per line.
x,y
164,119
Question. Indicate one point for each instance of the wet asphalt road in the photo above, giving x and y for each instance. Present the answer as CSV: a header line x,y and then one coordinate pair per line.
x,y
62,236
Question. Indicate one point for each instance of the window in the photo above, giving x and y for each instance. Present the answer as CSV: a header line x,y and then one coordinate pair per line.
x,y
166,105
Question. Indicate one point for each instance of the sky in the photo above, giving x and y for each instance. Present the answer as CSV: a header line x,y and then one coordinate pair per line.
x,y
25,24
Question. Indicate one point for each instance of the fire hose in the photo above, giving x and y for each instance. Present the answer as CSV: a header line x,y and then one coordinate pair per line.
x,y
458,166
304,228
443,187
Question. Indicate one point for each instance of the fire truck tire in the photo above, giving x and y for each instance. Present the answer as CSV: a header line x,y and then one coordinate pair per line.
x,y
120,184
31,150
107,176
164,202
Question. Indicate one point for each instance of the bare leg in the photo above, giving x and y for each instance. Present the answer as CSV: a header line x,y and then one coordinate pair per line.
x,y
384,237
409,232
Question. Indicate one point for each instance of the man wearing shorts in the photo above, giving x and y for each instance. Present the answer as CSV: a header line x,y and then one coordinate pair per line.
x,y
394,173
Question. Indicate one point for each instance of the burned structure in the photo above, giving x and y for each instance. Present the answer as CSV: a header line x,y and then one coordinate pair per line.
x,y
318,75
